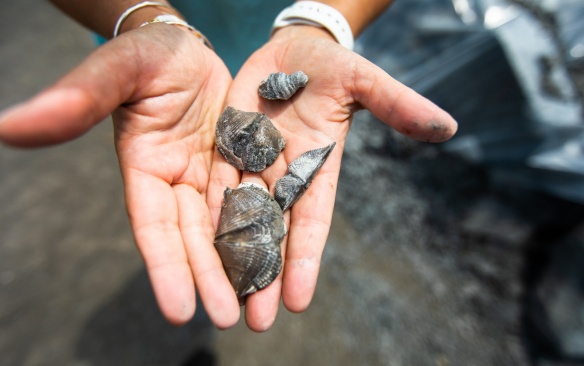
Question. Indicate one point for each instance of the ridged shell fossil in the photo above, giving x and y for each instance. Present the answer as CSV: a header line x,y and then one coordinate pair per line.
x,y
248,140
301,172
281,85
251,227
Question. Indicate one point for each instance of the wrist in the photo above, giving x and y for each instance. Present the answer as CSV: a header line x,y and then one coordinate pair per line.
x,y
300,31
145,13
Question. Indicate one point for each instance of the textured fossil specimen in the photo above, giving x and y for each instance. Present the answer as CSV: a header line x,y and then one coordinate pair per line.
x,y
301,172
248,140
251,226
281,85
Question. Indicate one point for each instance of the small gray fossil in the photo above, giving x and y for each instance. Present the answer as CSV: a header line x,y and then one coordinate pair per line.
x,y
282,86
248,140
251,227
301,172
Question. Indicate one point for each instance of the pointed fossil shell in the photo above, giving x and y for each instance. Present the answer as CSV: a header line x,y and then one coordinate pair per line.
x,y
248,140
281,85
301,172
251,226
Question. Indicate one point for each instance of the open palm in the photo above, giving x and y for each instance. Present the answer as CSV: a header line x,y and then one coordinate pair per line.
x,y
166,90
341,83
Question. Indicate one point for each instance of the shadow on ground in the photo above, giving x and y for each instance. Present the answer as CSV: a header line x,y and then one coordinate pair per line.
x,y
129,330
429,260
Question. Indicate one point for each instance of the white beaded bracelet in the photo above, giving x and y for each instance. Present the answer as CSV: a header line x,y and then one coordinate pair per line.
x,y
132,9
319,15
174,20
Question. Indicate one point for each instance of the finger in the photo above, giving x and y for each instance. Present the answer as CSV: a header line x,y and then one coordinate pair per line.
x,y
153,214
82,98
222,175
261,308
399,106
211,281
310,222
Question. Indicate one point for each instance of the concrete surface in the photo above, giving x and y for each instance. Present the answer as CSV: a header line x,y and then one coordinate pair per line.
x,y
425,265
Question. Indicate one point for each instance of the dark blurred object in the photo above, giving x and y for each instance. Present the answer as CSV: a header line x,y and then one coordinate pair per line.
x,y
509,71
556,305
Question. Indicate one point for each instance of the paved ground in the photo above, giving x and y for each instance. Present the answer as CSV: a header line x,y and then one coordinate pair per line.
x,y
430,269
73,290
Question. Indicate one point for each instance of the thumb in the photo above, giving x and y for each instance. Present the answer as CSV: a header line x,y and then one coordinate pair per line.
x,y
69,108
399,106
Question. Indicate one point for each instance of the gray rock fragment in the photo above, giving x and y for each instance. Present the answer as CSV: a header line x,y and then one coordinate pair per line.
x,y
301,172
251,227
282,86
248,140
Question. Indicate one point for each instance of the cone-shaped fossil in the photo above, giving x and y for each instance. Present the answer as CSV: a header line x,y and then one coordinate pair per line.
x,y
248,140
251,227
301,172
282,86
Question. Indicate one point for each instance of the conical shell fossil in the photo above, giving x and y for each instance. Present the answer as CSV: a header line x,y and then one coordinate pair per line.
x,y
301,172
251,226
281,85
248,140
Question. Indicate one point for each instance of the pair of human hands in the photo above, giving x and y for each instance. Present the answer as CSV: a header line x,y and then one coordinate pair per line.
x,y
165,91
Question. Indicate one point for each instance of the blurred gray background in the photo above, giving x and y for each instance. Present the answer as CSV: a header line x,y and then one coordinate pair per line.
x,y
434,258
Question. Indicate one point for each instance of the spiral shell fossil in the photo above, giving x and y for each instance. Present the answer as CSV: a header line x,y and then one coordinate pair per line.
x,y
282,86
248,140
301,172
251,227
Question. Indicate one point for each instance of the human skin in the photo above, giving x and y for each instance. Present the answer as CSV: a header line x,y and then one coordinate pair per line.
x,y
165,90
341,83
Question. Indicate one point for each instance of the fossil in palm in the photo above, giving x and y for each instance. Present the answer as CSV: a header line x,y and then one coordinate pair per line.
x,y
248,140
281,85
251,227
300,174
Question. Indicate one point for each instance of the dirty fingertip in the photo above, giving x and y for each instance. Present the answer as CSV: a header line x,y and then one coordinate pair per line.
x,y
443,129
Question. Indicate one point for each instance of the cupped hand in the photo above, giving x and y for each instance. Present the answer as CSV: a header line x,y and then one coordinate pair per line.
x,y
341,83
166,91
